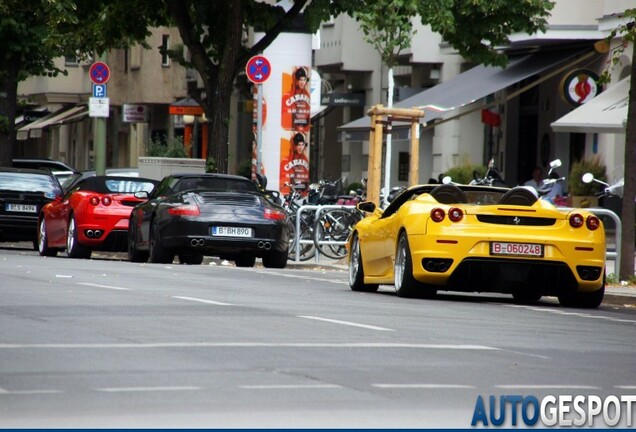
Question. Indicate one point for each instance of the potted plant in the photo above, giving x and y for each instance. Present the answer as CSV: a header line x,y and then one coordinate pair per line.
x,y
583,194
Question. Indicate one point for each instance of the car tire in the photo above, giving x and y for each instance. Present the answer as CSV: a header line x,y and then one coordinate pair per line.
x,y
356,269
73,248
134,254
190,259
245,261
524,297
275,259
405,283
585,300
43,240
158,254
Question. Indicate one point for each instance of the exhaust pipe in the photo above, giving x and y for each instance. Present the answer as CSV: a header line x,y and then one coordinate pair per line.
x,y
264,245
97,233
197,242
89,233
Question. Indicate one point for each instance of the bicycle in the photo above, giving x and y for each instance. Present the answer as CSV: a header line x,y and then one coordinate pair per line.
x,y
333,227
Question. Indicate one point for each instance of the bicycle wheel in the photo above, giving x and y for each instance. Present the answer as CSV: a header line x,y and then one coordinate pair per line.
x,y
332,230
307,250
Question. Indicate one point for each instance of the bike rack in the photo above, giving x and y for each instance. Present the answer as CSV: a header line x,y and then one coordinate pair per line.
x,y
318,209
615,256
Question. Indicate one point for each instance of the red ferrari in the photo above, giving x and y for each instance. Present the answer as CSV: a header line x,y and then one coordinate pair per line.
x,y
92,215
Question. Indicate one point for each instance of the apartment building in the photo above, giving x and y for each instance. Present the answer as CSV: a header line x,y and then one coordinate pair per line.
x,y
142,86
527,98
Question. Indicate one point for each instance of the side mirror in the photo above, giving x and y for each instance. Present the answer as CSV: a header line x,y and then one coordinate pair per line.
x,y
367,206
555,163
142,194
447,180
588,178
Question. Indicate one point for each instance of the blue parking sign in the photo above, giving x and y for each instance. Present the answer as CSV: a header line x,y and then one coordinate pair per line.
x,y
99,90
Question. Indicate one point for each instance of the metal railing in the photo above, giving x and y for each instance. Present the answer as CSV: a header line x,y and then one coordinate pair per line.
x,y
318,209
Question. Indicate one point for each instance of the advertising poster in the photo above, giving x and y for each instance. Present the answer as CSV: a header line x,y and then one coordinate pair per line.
x,y
295,122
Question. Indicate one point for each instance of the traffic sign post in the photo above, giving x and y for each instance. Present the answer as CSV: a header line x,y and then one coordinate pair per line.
x,y
258,70
99,74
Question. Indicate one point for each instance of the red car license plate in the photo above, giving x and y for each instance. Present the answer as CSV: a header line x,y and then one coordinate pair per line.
x,y
516,249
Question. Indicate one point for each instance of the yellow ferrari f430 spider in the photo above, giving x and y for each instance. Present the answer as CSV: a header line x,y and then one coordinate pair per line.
x,y
479,239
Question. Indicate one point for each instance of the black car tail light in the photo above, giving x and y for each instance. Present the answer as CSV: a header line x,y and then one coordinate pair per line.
x,y
274,214
576,220
455,214
437,214
593,223
184,210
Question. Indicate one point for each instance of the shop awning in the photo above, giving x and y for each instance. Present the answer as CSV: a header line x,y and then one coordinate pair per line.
x,y
65,115
606,113
445,100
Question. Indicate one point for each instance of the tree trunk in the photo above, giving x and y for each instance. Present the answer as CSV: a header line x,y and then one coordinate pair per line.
x,y
8,107
629,188
217,111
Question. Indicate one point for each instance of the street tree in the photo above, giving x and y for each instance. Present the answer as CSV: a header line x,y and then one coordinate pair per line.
x,y
36,32
387,26
626,34
213,33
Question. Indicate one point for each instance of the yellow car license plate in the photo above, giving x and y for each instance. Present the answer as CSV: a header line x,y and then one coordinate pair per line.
x,y
516,249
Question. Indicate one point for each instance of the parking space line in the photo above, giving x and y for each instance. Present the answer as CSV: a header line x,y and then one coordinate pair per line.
x,y
348,323
104,286
575,314
347,345
203,301
28,392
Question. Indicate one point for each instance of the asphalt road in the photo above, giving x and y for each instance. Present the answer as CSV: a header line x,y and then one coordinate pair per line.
x,y
107,343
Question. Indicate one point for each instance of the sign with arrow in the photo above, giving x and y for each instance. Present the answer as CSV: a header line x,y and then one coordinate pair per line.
x,y
258,69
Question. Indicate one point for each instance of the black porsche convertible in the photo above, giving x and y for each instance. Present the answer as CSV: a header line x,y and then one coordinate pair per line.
x,y
197,215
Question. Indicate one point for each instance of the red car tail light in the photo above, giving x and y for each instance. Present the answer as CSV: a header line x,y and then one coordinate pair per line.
x,y
274,214
184,210
107,200
576,220
593,223
94,201
437,214
455,214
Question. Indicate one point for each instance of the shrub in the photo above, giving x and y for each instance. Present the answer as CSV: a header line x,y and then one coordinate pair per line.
x,y
463,173
578,168
161,148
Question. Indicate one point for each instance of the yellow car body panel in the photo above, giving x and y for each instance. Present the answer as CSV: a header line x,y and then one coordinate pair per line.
x,y
566,252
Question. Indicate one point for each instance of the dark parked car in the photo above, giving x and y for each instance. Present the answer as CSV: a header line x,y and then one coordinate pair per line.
x,y
196,215
60,170
23,193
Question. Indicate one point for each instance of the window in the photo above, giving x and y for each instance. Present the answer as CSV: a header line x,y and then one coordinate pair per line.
x,y
403,166
165,46
135,57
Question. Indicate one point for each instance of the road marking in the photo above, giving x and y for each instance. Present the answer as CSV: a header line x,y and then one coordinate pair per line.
x,y
64,276
28,392
104,286
626,387
349,323
365,345
203,301
546,386
145,389
576,314
290,386
292,276
423,386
